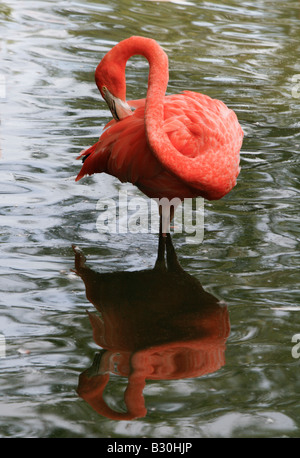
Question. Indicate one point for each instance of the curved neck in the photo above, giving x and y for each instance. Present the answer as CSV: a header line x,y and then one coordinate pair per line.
x,y
157,85
157,58
115,62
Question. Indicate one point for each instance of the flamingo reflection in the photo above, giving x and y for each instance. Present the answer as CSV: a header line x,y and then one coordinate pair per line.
x,y
157,324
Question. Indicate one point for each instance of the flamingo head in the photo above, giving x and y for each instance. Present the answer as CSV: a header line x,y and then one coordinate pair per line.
x,y
110,79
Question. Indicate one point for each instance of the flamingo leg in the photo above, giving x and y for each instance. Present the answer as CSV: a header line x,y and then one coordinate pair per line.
x,y
79,258
160,260
165,246
173,264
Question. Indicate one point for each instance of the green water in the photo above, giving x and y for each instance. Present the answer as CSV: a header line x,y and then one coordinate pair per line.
x,y
246,54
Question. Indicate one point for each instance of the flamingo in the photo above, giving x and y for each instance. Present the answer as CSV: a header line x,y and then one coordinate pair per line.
x,y
170,146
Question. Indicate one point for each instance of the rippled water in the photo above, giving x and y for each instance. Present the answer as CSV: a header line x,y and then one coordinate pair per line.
x,y
245,53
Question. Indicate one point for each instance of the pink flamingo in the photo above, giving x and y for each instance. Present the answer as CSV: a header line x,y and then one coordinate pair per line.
x,y
182,145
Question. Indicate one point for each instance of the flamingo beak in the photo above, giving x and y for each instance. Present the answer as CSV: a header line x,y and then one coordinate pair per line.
x,y
119,109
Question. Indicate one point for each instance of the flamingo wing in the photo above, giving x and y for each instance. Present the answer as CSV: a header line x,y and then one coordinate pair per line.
x,y
207,138
122,151
197,126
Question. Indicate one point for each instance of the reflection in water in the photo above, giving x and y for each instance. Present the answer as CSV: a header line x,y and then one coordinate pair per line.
x,y
155,324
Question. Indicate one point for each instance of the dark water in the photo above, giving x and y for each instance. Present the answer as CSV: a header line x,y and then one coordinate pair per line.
x,y
245,53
